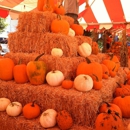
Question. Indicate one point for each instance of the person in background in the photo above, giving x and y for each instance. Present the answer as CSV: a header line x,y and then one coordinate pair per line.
x,y
72,8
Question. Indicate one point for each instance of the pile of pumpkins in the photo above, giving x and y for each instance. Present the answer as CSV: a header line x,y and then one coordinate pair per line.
x,y
88,74
48,118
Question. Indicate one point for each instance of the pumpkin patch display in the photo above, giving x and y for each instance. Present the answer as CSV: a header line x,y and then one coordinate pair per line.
x,y
109,120
48,118
14,109
4,102
6,69
31,110
20,73
54,78
83,83
64,120
60,25
36,71
84,49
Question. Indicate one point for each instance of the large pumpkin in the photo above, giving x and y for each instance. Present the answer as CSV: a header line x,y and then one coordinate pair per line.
x,y
90,68
60,25
109,121
36,71
6,69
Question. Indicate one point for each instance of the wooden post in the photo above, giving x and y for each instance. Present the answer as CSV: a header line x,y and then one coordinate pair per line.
x,y
124,51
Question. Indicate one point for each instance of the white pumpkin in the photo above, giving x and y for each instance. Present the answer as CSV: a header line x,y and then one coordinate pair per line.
x,y
56,52
48,118
4,102
85,49
54,78
71,32
83,83
14,109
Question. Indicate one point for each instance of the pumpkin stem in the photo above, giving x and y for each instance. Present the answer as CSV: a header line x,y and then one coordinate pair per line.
x,y
108,105
38,57
33,103
125,82
20,61
96,77
114,68
109,111
58,17
118,84
111,55
88,60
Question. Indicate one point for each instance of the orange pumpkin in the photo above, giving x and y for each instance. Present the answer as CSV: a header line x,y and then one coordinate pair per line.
x,y
109,121
6,69
67,84
105,106
59,9
59,25
36,71
31,110
95,48
42,3
77,28
20,73
90,68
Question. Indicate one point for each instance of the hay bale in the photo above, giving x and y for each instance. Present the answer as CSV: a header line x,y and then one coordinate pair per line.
x,y
83,106
42,42
38,22
67,65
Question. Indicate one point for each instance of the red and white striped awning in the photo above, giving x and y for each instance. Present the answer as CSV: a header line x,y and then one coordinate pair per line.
x,y
105,13
101,13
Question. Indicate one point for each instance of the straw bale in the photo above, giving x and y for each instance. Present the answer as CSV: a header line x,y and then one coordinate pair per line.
x,y
42,42
20,123
37,21
82,39
67,65
83,106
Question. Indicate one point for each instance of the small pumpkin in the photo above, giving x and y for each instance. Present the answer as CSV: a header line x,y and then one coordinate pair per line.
x,y
56,52
36,71
55,78
4,102
31,110
67,84
83,83
20,73
14,109
60,25
48,118
48,7
6,69
64,120
59,9
95,48
78,29
109,121
84,49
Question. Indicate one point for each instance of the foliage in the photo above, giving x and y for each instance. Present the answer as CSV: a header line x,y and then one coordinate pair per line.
x,y
3,25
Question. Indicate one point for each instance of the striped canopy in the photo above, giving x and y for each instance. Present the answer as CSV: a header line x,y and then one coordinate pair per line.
x,y
99,14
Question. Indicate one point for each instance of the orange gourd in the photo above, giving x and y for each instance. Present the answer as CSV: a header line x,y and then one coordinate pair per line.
x,y
36,71
20,73
6,69
95,48
60,25
67,84
31,110
77,28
